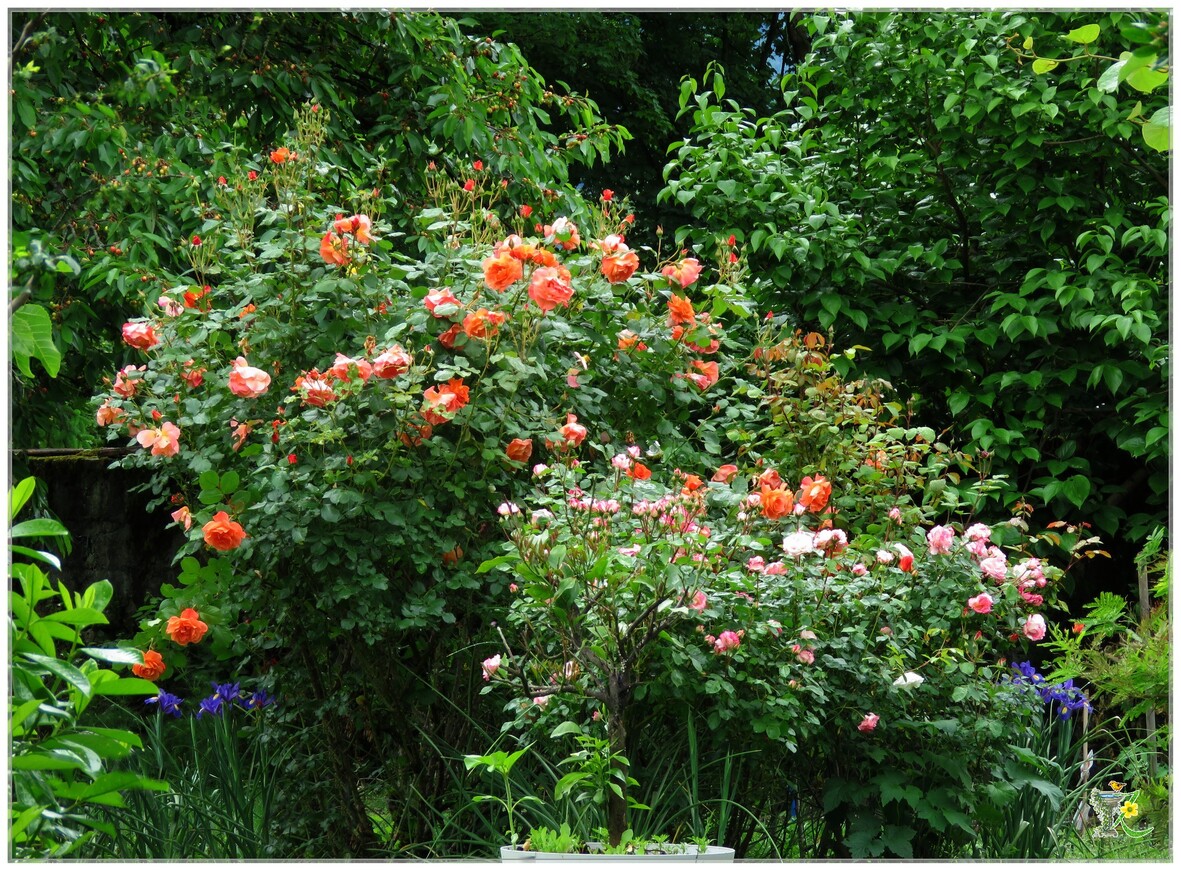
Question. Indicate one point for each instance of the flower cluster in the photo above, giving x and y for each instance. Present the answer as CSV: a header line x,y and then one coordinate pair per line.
x,y
1063,698
223,698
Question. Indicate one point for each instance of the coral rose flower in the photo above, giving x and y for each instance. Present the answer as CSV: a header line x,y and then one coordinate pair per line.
x,y
441,297
152,667
247,381
906,558
483,324
316,389
344,365
281,155
684,273
549,288
334,249
125,385
222,533
184,517
775,502
490,666
869,723
620,266
140,335
814,493
392,363
573,432
725,474
107,414
680,311
629,340
520,450
564,232
503,271
164,440
360,226
449,338
442,402
188,628
706,375
639,472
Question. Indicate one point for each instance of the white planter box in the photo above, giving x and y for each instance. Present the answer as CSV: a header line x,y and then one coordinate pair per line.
x,y
691,854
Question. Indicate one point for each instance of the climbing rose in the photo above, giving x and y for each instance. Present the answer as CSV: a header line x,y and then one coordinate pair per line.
x,y
333,249
620,266
502,271
814,493
140,335
549,288
725,474
152,667
107,414
442,402
776,503
728,640
439,297
490,666
680,311
163,440
685,272
869,723
344,365
981,604
519,450
184,517
392,363
994,567
978,532
247,381
222,533
573,432
188,628
939,539
125,385
1035,627
706,375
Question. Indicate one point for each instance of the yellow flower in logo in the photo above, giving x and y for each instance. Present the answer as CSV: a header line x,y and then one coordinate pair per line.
x,y
1130,809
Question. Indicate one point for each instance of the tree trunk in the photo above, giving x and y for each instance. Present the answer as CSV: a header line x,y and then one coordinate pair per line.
x,y
618,693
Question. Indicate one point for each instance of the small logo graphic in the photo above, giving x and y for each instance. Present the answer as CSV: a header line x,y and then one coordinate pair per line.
x,y
1117,812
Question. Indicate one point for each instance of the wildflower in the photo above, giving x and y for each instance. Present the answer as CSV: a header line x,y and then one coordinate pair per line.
x,y
1129,809
152,666
211,706
868,723
187,628
222,533
168,703
140,335
490,666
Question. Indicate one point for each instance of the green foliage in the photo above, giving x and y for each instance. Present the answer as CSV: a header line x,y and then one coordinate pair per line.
x,y
546,840
123,122
63,765
996,239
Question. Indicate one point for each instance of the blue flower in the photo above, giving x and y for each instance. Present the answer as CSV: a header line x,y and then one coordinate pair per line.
x,y
169,704
259,700
211,705
1065,696
227,692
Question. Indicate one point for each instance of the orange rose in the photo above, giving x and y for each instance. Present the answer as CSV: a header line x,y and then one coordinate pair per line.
x,y
520,450
442,402
483,324
502,272
680,311
692,483
620,266
550,288
814,493
573,432
640,472
725,474
222,533
453,556
770,478
153,664
188,628
333,249
776,502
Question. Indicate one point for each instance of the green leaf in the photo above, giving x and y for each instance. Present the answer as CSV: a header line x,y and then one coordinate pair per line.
x,y
1109,81
31,333
119,655
19,496
63,670
567,728
1086,33
1044,65
125,686
1157,131
1077,489
1146,79
40,527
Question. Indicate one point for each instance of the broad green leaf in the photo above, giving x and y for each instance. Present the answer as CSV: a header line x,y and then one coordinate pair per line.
x,y
1110,78
1077,489
63,670
1044,65
1085,34
120,655
31,333
1158,129
567,728
19,496
39,527
1146,79
125,686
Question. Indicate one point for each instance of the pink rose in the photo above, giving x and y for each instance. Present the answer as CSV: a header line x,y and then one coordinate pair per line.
x,y
940,538
981,604
443,297
977,532
994,567
549,288
905,559
1035,627
140,335
684,272
799,543
490,666
392,363
344,365
247,381
727,641
163,440
859,569
183,517
803,654
699,602
869,723
895,514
